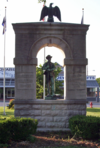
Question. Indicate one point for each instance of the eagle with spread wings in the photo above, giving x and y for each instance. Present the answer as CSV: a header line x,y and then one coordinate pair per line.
x,y
50,11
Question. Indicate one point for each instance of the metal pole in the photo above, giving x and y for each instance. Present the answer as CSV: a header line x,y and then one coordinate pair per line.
x,y
4,66
86,50
83,15
44,79
44,75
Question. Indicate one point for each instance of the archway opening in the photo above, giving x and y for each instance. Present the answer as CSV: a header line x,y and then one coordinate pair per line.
x,y
57,58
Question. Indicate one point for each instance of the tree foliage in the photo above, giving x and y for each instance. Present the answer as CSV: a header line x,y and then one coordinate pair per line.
x,y
39,82
39,1
98,80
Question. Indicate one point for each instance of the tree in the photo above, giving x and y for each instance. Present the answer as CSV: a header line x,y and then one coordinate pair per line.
x,y
39,82
42,1
98,80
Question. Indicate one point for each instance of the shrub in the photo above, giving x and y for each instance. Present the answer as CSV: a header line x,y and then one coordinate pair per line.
x,y
17,129
3,145
87,127
31,138
4,133
11,104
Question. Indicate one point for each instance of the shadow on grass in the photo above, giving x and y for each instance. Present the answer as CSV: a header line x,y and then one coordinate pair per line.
x,y
93,109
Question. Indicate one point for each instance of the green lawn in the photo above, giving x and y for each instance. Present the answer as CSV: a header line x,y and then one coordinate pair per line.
x,y
10,112
93,112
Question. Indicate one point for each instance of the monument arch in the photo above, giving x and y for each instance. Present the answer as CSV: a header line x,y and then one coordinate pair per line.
x,y
55,42
50,41
52,115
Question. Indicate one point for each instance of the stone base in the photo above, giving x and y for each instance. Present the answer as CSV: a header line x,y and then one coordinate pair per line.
x,y
52,129
54,97
52,115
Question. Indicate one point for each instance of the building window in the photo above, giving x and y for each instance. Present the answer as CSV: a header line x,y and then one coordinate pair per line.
x,y
1,82
91,92
10,93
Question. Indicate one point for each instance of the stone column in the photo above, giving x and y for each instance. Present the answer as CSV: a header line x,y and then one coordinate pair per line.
x,y
25,79
75,79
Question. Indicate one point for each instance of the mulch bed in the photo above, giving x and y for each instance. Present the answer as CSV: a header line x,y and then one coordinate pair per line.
x,y
54,139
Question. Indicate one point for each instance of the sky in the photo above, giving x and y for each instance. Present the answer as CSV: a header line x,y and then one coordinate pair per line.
x,y
71,12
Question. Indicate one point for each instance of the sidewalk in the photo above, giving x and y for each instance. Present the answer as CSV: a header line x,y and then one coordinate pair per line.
x,y
6,100
94,102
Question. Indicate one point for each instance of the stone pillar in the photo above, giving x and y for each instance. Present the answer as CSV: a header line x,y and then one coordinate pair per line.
x,y
25,79
75,79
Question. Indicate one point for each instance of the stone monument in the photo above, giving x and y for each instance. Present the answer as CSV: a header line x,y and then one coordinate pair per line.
x,y
52,115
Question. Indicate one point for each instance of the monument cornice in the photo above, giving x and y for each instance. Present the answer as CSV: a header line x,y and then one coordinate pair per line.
x,y
43,27
58,101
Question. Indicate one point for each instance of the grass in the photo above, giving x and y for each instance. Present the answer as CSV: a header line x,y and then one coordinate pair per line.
x,y
9,113
93,112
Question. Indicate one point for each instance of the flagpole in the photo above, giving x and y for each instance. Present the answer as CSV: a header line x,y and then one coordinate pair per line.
x,y
44,75
86,50
4,68
82,20
83,14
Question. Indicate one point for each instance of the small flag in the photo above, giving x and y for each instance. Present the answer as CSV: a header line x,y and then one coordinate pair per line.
x,y
4,24
82,20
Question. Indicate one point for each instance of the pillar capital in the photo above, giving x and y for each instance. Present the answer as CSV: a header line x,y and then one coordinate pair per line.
x,y
25,61
75,61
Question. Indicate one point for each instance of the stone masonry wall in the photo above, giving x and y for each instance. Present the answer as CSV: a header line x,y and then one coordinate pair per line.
x,y
51,115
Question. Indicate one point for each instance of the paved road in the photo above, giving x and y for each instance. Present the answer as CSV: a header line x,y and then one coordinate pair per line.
x,y
1,103
94,105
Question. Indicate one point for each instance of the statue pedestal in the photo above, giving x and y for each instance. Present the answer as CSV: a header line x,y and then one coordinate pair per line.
x,y
52,115
54,97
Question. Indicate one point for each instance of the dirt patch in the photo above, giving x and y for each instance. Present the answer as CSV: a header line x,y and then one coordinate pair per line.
x,y
54,139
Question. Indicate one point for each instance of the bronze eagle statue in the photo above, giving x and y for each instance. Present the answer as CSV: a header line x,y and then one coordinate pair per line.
x,y
50,11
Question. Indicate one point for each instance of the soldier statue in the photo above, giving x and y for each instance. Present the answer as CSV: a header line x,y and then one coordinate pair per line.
x,y
49,68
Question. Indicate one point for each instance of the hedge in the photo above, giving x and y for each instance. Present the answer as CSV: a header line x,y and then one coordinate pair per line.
x,y
87,127
17,129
